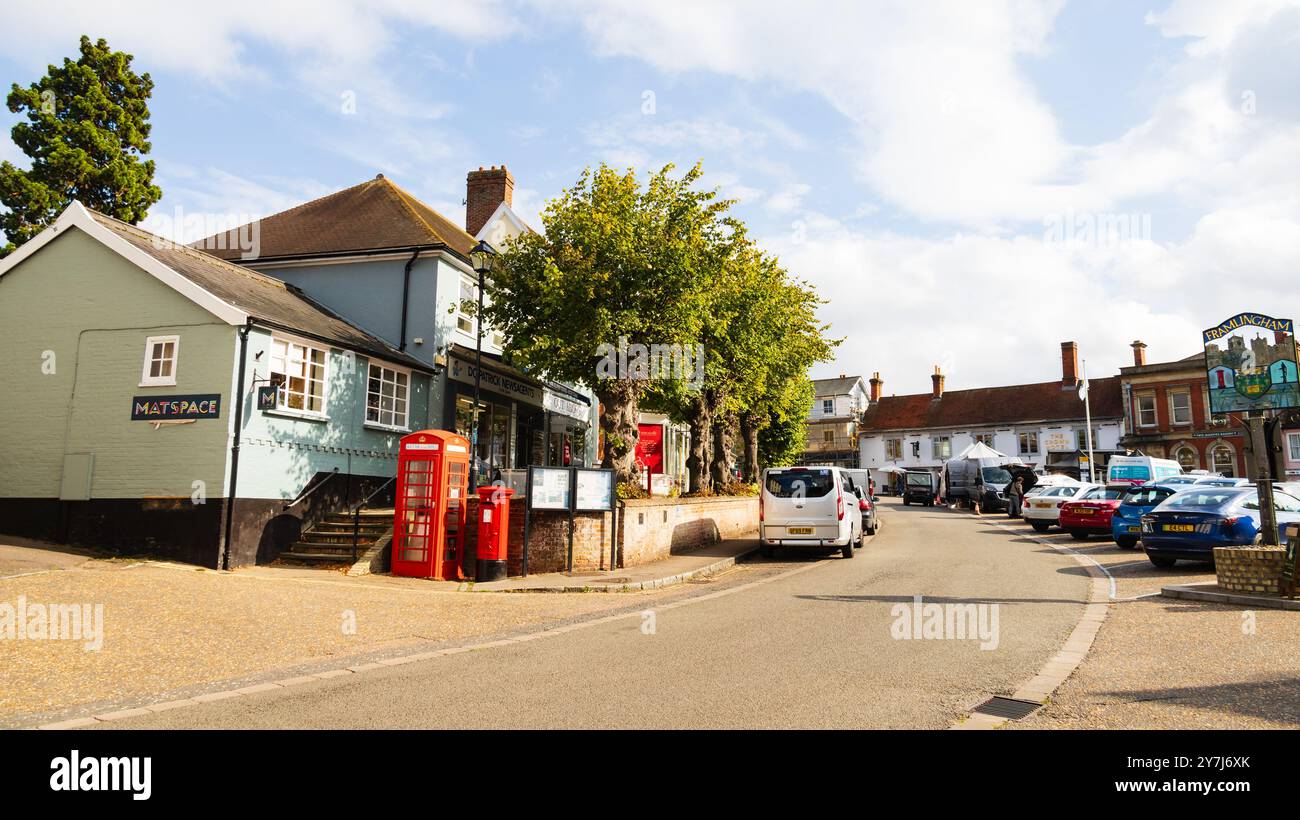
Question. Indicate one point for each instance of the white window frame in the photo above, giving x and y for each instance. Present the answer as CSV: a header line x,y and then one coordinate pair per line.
x,y
281,395
1292,445
1173,415
470,325
1185,447
941,447
1155,415
893,449
147,380
1020,444
401,423
828,407
1232,458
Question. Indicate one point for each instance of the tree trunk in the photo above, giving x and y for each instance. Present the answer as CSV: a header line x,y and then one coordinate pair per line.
x,y
722,473
618,424
699,418
749,427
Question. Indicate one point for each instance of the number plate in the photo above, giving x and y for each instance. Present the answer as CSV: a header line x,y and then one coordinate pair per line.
x,y
1084,511
800,530
1134,529
1178,528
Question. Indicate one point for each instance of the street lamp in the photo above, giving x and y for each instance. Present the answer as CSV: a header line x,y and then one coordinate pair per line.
x,y
481,259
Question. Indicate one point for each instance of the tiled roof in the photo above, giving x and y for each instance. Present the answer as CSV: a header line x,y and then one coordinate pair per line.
x,y
990,406
374,215
263,297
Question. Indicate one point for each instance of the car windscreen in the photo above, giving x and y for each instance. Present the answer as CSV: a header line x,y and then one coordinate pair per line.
x,y
1198,499
1146,496
920,479
1130,472
800,484
995,475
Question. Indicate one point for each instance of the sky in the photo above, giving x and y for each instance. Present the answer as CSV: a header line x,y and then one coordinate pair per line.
x,y
967,185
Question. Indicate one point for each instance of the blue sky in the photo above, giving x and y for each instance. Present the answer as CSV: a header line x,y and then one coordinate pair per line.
x,y
936,169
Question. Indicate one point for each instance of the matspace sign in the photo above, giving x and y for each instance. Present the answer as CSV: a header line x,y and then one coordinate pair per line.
x,y
163,408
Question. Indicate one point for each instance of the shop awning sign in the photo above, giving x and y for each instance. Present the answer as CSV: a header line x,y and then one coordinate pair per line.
x,y
176,408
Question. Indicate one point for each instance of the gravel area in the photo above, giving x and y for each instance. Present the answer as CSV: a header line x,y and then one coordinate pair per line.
x,y
1162,663
168,627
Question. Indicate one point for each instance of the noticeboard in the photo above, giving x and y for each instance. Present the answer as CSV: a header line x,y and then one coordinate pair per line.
x,y
593,489
549,488
1250,362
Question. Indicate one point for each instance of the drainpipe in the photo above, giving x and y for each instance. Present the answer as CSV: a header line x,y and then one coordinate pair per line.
x,y
223,558
406,293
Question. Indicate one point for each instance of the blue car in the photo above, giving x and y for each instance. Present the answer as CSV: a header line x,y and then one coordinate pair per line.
x,y
1126,522
1189,524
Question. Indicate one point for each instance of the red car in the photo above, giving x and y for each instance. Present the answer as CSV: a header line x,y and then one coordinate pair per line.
x,y
1090,513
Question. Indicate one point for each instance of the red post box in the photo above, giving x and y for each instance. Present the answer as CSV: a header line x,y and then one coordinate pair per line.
x,y
429,529
493,532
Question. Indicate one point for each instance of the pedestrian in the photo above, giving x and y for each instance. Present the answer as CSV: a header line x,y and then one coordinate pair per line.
x,y
1015,497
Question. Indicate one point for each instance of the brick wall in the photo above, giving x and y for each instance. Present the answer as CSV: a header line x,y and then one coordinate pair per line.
x,y
1249,569
650,530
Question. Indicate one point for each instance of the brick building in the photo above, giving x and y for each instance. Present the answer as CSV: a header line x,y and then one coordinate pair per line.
x,y
1167,413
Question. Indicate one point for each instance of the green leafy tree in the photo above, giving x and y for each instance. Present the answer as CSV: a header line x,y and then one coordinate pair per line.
x,y
86,132
781,440
618,264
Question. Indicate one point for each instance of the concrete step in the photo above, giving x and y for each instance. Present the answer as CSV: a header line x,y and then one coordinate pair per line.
x,y
330,548
342,536
346,526
316,557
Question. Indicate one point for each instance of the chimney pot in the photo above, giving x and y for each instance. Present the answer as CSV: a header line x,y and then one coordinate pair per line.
x,y
876,384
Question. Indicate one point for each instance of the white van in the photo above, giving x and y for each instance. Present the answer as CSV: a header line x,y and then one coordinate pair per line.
x,y
1140,469
808,508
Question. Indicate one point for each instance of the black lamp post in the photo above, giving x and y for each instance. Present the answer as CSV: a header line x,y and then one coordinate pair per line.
x,y
481,259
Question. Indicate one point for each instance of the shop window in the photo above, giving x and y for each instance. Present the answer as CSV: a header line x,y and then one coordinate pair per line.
x,y
160,357
298,371
983,438
1225,461
1293,446
1186,457
387,396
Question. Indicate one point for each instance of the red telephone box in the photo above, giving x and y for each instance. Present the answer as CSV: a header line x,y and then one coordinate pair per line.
x,y
493,532
430,514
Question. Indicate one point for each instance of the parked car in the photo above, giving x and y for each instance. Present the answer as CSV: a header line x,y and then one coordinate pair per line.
x,y
1126,521
981,479
1090,514
920,486
1189,524
1042,506
808,508
864,487
1140,469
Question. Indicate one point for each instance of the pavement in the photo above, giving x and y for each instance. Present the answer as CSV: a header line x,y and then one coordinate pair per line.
x,y
795,641
1164,663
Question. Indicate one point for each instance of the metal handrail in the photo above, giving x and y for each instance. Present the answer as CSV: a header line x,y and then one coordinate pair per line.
x,y
302,496
356,515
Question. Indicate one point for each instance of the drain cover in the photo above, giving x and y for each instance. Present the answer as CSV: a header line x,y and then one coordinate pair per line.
x,y
1008,708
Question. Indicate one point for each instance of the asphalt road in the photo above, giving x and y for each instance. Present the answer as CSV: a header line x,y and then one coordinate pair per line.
x,y
793,642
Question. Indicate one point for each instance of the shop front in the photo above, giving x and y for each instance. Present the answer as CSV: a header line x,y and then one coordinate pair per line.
x,y
521,421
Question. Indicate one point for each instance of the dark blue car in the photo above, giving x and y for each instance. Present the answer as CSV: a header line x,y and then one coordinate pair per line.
x,y
1189,524
1126,522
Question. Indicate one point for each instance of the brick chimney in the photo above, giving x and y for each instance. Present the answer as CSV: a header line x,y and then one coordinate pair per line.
x,y
877,384
484,191
1069,364
937,381
1139,353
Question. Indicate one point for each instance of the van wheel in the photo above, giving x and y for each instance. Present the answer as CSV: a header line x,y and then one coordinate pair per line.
x,y
846,551
1040,526
1125,542
905,501
1079,535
